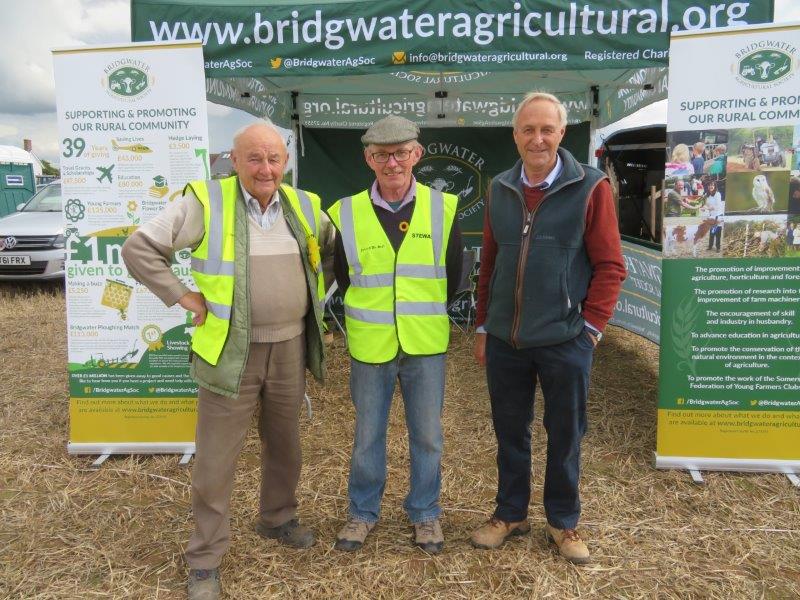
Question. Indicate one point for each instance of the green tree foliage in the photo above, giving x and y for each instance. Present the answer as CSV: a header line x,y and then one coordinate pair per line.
x,y
49,169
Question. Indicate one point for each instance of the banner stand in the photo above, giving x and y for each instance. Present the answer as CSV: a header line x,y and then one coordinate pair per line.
x,y
133,128
729,366
790,468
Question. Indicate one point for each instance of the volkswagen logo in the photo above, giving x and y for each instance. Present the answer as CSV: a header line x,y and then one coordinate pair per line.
x,y
9,243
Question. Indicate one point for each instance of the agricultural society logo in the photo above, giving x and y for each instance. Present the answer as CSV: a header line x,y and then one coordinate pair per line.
x,y
127,79
765,64
456,170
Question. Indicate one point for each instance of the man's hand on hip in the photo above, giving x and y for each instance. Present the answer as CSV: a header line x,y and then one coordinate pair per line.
x,y
195,302
479,351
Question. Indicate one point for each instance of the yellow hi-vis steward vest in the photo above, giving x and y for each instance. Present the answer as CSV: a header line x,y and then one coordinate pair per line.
x,y
396,301
213,261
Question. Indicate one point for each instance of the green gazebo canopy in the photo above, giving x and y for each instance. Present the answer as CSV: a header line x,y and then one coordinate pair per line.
x,y
448,63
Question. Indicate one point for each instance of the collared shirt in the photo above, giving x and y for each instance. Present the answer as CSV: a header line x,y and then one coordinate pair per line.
x,y
378,200
548,181
265,218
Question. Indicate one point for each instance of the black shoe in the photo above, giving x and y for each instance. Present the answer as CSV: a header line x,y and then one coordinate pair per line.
x,y
290,534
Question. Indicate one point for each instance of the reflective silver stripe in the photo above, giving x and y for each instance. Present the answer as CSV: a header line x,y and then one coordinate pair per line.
x,y
372,281
422,271
212,268
420,308
437,224
308,211
220,311
379,317
348,232
215,217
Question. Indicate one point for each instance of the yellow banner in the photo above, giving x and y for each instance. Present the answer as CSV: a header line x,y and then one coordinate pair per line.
x,y
729,434
132,420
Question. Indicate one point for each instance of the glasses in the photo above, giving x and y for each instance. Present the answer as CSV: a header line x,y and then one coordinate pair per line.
x,y
399,155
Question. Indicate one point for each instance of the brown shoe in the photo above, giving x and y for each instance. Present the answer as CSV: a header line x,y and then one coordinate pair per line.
x,y
570,545
428,536
495,532
203,584
351,537
291,534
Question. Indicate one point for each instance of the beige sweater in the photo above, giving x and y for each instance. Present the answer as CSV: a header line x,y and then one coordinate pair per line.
x,y
278,292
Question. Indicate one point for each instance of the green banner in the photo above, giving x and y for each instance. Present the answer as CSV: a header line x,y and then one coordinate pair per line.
x,y
457,161
466,110
639,305
643,87
252,38
251,95
731,335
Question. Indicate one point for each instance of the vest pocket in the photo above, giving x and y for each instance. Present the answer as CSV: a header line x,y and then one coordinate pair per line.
x,y
545,280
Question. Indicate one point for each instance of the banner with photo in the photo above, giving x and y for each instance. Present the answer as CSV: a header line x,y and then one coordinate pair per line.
x,y
133,130
730,334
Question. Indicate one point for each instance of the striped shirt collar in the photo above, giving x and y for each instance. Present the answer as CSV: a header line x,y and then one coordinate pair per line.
x,y
265,218
548,181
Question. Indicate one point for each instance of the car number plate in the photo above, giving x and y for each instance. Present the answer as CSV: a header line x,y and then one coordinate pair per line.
x,y
14,259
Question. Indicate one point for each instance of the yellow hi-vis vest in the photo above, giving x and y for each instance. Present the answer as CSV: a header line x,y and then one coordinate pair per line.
x,y
396,301
214,258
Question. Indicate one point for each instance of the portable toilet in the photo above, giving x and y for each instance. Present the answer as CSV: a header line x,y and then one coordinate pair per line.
x,y
17,181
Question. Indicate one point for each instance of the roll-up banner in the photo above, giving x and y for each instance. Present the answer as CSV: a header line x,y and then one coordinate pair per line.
x,y
133,130
730,322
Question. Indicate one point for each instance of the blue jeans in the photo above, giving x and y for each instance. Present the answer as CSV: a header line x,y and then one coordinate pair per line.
x,y
371,387
563,372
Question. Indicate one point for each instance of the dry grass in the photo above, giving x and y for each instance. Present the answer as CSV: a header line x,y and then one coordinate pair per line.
x,y
67,531
740,237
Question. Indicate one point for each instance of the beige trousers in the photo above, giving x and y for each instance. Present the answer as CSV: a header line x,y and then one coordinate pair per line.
x,y
274,380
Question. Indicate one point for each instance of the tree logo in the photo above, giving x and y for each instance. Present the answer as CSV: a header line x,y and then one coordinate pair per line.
x,y
764,64
127,79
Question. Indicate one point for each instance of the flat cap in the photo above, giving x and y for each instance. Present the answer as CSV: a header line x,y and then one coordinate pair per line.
x,y
390,130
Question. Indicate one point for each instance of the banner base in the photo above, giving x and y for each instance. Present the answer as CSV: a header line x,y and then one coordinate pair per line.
x,y
131,448
751,465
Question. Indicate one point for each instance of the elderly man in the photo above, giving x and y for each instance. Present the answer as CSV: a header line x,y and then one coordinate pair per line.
x,y
255,260
675,203
398,259
551,270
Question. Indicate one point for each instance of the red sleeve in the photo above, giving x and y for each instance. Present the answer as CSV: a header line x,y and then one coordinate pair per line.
x,y
602,242
488,254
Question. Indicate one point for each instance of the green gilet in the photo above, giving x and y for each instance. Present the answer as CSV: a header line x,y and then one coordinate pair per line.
x,y
396,300
220,267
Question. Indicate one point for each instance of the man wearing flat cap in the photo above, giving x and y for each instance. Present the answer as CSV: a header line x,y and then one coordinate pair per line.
x,y
398,262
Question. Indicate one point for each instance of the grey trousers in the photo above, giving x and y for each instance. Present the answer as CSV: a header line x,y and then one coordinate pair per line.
x,y
274,381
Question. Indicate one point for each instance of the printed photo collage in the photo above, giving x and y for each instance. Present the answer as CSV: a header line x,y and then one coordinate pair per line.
x,y
732,193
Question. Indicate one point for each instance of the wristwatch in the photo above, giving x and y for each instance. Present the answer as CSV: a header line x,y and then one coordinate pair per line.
x,y
595,334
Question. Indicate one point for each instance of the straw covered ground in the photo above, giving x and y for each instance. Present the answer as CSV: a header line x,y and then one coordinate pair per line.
x,y
68,531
